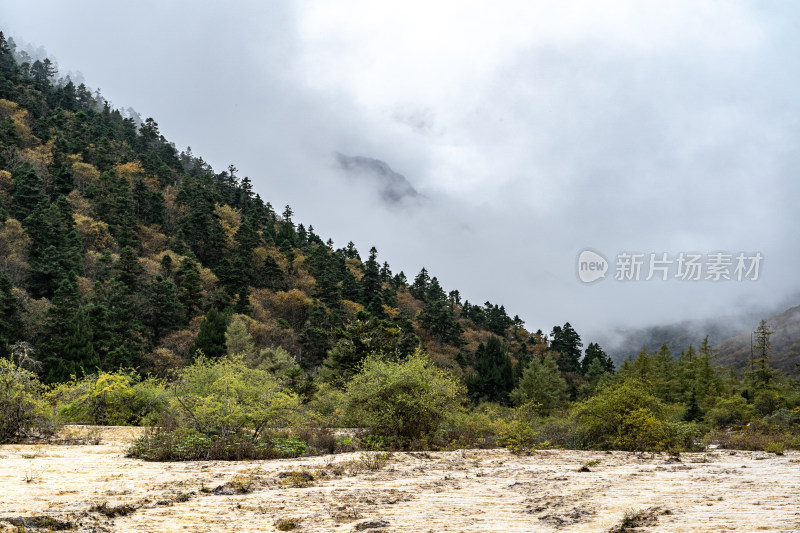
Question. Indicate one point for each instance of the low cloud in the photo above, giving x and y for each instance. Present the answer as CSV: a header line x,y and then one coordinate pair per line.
x,y
533,130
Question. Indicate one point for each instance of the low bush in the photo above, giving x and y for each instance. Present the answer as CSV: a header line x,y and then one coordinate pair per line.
x,y
23,412
110,398
756,436
406,401
730,412
224,410
627,416
225,397
476,428
289,446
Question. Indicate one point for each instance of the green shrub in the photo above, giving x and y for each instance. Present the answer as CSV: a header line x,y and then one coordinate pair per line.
x,y
327,405
405,400
628,417
730,412
783,419
375,443
289,446
23,413
642,430
560,432
777,447
224,410
225,397
110,398
476,428
767,401
518,435
756,436
184,444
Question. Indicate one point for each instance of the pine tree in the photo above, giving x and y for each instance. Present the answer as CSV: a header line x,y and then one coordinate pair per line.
x,y
595,376
316,337
55,249
167,265
246,237
9,70
364,335
128,270
567,343
371,286
28,192
439,320
496,319
419,289
494,376
10,322
664,377
542,385
78,356
211,338
190,288
165,312
67,346
270,275
238,340
761,374
594,352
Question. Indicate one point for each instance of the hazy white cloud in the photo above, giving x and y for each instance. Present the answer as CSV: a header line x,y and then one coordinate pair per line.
x,y
535,128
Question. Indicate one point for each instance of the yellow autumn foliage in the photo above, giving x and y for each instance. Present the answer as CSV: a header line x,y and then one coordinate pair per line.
x,y
133,170
130,170
351,308
13,250
80,205
94,234
6,186
230,219
40,157
20,119
152,240
354,266
84,175
173,212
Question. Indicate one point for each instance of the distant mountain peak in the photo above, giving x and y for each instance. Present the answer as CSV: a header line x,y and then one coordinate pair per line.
x,y
393,187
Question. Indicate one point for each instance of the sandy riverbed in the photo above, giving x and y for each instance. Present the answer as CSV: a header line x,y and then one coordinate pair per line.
x,y
469,490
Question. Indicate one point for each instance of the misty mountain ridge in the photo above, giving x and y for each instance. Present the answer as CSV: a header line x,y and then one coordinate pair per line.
x,y
729,335
736,353
394,189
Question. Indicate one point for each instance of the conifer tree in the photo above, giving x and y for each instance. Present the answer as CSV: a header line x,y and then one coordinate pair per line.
x,y
542,385
165,311
10,323
595,352
67,347
419,289
190,288
494,376
566,341
364,335
371,286
761,375
211,338
28,192
438,319
270,275
55,248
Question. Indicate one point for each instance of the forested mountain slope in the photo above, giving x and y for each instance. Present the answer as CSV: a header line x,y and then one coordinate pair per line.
x,y
119,251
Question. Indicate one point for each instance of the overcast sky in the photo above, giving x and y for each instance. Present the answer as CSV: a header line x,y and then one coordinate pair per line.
x,y
536,129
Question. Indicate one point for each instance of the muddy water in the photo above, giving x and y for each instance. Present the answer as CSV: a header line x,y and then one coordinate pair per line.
x,y
471,490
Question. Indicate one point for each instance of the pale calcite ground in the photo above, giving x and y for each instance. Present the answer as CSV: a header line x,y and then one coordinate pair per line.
x,y
471,490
